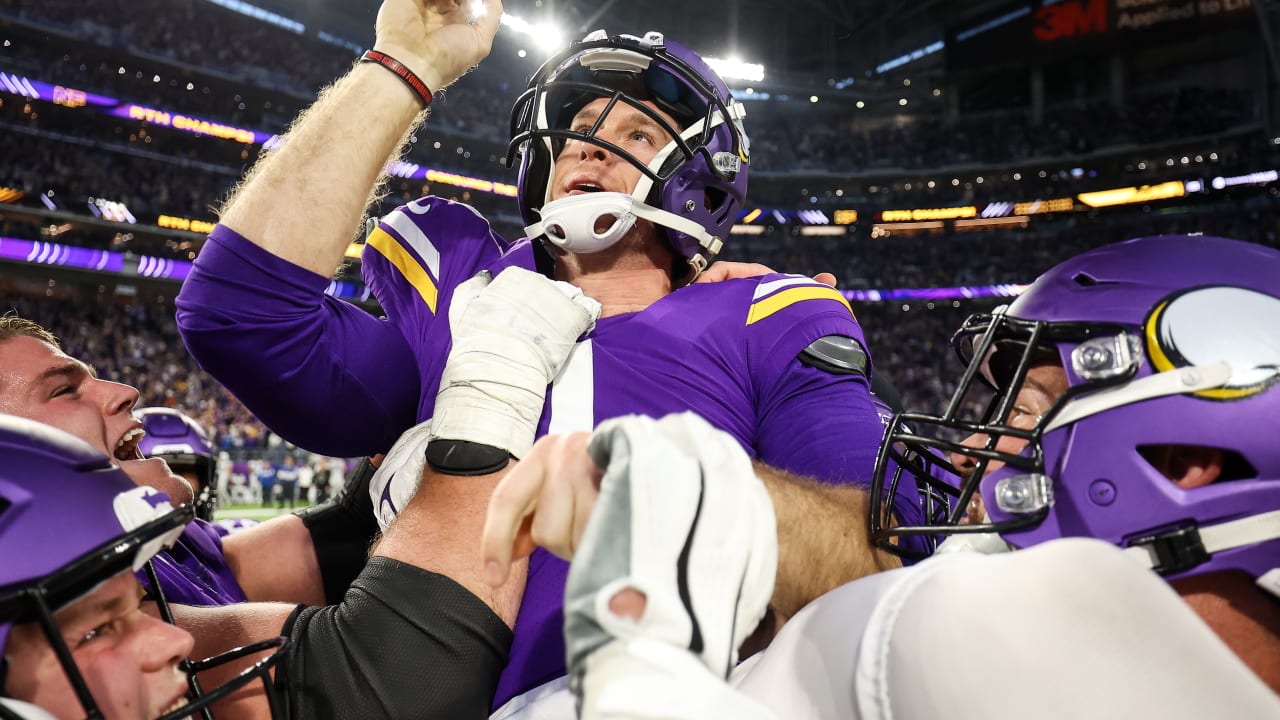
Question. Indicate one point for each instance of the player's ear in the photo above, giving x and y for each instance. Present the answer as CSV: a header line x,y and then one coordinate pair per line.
x,y
1188,466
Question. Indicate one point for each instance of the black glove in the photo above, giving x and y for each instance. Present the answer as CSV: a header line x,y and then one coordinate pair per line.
x,y
343,529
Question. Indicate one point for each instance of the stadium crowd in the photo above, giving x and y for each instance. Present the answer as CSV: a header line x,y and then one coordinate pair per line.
x,y
948,258
826,141
791,137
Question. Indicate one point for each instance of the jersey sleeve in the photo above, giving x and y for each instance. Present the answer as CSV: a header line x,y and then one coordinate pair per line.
x,y
412,262
323,374
809,421
421,251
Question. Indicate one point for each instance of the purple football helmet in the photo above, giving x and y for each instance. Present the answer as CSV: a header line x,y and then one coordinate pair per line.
x,y
1165,342
70,520
184,445
693,189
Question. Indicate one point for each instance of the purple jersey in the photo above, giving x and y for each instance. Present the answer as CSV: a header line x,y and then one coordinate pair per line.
x,y
193,571
727,351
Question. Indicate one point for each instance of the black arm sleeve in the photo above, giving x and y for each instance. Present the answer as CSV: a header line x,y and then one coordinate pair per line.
x,y
404,643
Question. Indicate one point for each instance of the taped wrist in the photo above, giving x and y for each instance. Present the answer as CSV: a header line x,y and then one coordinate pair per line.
x,y
511,337
342,530
491,392
460,457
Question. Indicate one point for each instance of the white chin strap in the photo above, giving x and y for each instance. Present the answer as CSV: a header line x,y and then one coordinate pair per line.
x,y
570,222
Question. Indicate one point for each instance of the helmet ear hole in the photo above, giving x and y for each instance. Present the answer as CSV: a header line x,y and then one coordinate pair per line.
x,y
1172,461
717,203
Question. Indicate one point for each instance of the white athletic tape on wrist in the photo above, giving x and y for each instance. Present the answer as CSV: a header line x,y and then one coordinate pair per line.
x,y
511,337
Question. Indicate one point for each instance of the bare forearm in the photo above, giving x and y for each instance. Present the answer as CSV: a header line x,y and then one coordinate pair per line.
x,y
823,539
440,531
276,562
304,201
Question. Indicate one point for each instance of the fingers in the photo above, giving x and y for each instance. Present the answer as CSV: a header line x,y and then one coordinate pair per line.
x,y
568,496
487,21
725,270
544,500
552,526
513,501
715,273
825,279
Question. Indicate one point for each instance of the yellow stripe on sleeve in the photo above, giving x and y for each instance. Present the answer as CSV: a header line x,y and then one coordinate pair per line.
x,y
409,267
785,299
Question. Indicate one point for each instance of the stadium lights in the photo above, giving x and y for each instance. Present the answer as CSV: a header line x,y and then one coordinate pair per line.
x,y
545,36
735,69
550,39
912,56
264,15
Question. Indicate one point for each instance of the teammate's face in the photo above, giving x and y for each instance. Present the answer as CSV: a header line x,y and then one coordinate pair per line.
x,y
1044,384
128,658
582,167
42,383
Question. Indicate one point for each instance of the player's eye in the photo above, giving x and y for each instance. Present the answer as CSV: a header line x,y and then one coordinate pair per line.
x,y
1022,417
94,634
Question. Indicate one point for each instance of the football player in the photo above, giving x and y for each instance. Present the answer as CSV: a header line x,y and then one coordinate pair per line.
x,y
633,167
74,639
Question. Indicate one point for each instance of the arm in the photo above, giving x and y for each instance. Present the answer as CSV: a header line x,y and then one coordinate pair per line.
x,y
823,538
220,629
547,500
322,373
276,561
303,201
438,531
253,313
404,642
511,337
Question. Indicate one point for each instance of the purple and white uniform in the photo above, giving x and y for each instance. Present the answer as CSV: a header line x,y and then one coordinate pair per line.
x,y
194,571
335,380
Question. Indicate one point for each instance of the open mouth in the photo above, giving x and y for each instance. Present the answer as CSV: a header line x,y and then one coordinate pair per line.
x,y
127,447
176,705
584,186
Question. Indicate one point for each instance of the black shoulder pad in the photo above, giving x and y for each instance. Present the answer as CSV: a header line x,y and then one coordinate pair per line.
x,y
836,354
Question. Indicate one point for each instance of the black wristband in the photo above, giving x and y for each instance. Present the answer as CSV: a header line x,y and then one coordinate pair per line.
x,y
468,459
414,82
